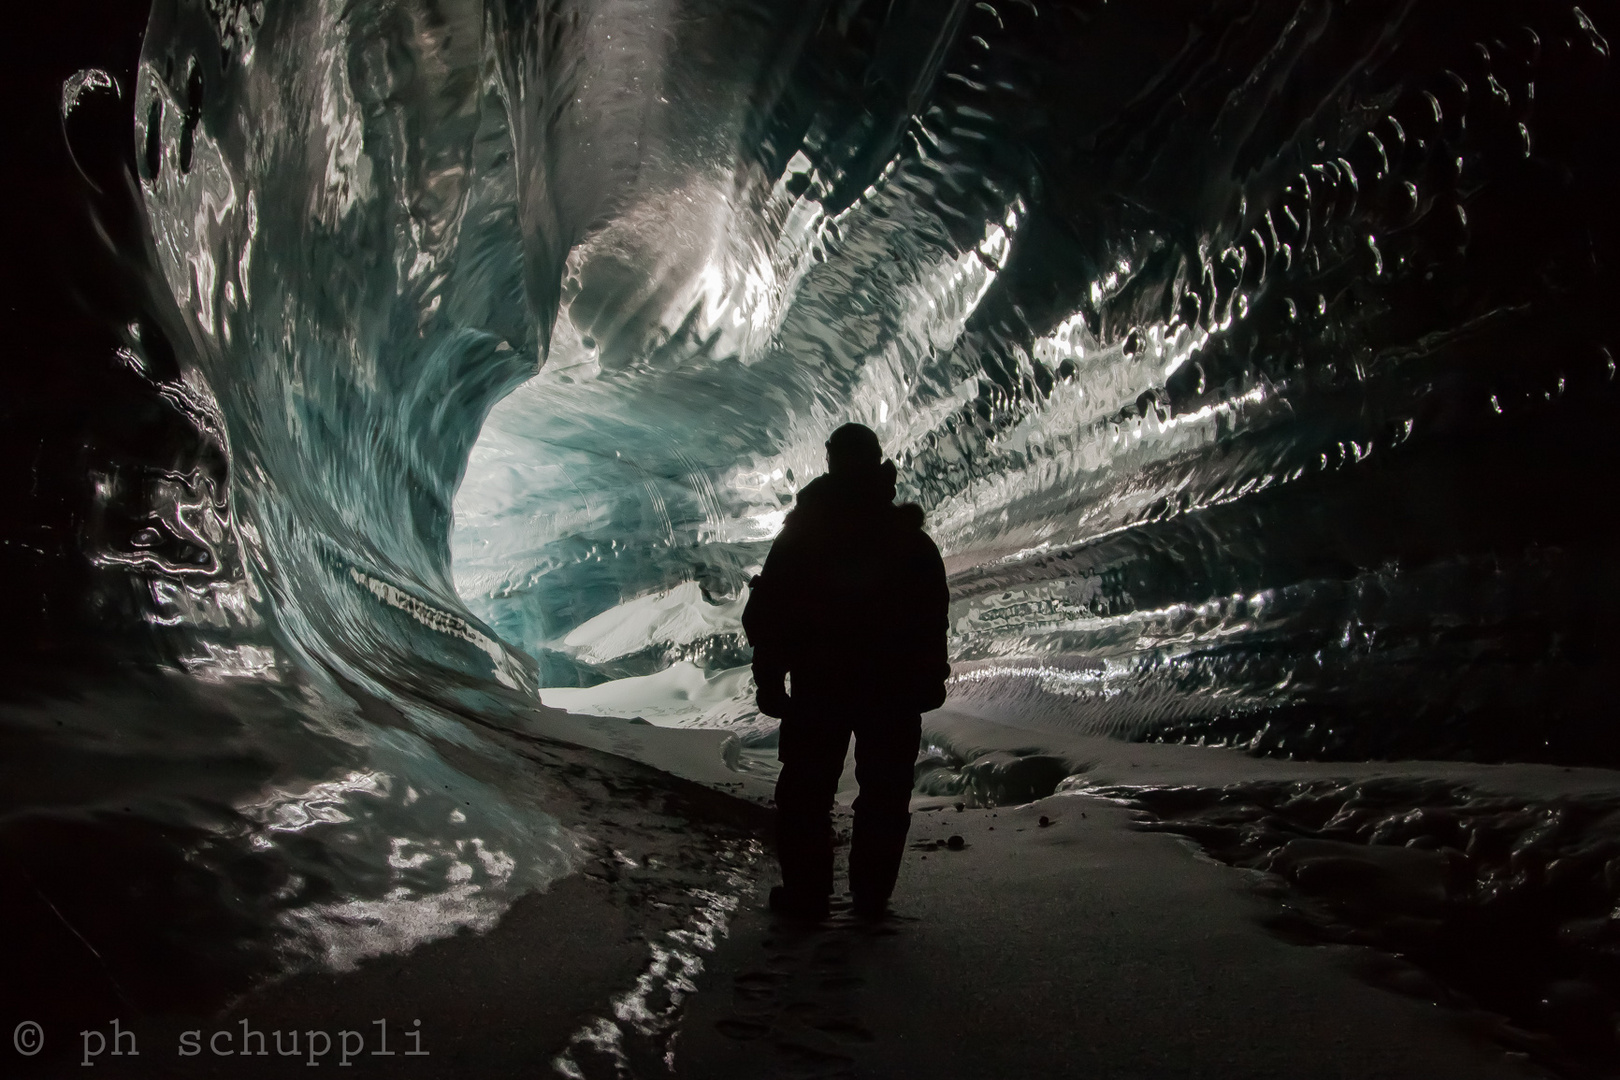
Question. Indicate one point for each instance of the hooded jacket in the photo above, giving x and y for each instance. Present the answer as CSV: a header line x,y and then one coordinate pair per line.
x,y
852,601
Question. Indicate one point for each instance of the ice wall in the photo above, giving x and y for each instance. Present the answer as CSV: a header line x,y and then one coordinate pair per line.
x,y
1250,362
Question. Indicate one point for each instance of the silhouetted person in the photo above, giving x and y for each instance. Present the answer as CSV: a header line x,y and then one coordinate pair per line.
x,y
850,613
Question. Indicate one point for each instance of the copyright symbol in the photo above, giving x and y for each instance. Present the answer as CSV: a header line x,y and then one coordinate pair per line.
x,y
28,1037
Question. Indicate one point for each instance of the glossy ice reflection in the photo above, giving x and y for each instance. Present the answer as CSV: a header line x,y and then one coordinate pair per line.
x,y
1255,374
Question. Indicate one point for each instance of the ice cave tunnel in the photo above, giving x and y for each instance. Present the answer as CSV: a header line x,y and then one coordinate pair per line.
x,y
460,360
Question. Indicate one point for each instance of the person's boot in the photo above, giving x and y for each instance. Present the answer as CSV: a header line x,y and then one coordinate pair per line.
x,y
799,904
874,863
804,850
869,908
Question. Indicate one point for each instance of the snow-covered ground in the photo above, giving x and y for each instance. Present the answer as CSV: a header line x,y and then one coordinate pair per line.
x,y
681,695
1096,945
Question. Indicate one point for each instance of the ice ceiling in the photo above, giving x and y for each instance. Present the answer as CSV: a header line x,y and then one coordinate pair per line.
x,y
1247,358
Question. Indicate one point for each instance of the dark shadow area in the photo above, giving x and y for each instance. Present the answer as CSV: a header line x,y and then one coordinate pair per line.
x,y
1477,902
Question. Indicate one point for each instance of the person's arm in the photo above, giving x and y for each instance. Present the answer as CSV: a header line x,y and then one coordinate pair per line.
x,y
767,622
761,617
935,608
922,600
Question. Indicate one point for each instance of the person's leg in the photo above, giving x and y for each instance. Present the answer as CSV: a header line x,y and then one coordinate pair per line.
x,y
812,750
885,762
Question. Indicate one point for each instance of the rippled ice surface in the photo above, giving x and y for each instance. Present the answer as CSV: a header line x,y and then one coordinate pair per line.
x,y
1253,369
1241,364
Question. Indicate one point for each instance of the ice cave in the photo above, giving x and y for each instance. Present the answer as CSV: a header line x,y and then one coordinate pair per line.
x,y
403,395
